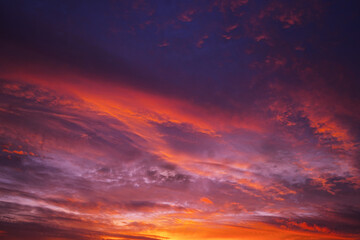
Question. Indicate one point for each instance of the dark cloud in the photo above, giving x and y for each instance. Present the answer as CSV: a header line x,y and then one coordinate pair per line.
x,y
183,138
40,231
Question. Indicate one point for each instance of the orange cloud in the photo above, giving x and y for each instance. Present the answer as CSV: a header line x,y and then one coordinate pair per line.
x,y
18,152
206,200
248,231
306,226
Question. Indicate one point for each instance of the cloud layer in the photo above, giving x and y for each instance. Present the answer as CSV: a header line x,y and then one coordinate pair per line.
x,y
186,120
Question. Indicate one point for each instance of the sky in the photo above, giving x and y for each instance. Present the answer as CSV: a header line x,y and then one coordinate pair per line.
x,y
179,120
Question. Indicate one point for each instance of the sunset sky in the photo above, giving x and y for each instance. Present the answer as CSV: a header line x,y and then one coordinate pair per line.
x,y
179,119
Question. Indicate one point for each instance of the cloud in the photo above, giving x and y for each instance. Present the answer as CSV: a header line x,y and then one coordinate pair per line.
x,y
206,200
41,231
226,130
